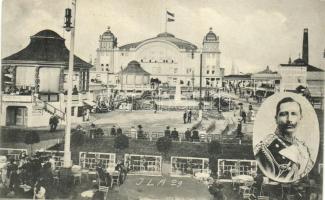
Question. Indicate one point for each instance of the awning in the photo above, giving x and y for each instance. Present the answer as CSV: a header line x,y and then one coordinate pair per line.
x,y
89,103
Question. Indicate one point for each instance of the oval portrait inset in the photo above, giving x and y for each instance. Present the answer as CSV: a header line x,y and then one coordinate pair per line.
x,y
286,137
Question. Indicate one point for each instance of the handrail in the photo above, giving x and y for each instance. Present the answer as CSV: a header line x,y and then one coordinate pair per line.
x,y
55,110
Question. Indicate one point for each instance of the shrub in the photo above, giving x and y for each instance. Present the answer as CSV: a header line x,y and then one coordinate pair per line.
x,y
164,144
216,189
31,138
77,138
214,148
99,132
121,142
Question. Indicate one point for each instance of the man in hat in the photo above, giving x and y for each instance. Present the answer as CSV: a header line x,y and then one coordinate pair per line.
x,y
189,116
119,131
113,131
195,134
188,135
167,132
174,134
54,120
185,117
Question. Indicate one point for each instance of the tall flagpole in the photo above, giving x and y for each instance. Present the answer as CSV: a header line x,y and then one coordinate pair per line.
x,y
166,20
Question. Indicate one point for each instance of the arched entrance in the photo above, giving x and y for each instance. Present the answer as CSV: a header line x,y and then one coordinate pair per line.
x,y
16,116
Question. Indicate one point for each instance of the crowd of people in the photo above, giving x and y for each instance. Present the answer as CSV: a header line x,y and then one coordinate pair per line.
x,y
105,177
18,90
190,135
30,176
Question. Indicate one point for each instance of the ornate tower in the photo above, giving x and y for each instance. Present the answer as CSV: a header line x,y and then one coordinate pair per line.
x,y
105,52
211,60
305,46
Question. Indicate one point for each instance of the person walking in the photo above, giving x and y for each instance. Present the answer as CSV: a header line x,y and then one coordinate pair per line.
x,y
53,123
189,116
185,117
244,115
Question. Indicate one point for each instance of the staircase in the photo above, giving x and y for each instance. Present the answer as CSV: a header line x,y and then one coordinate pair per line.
x,y
50,109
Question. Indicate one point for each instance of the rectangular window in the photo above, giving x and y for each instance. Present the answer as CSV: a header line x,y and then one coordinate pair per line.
x,y
175,70
65,78
80,111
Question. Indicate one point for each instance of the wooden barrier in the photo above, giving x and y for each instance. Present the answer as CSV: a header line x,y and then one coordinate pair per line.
x,y
89,160
233,167
187,166
12,153
148,165
58,156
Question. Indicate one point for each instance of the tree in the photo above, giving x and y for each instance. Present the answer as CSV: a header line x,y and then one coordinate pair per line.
x,y
121,142
31,138
164,144
214,150
216,189
77,137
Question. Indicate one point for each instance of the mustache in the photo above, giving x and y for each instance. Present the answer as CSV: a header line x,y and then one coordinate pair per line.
x,y
289,125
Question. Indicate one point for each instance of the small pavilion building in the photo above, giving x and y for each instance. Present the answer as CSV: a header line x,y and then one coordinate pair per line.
x,y
34,83
133,79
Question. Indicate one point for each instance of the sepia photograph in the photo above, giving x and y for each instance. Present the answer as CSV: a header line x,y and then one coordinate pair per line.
x,y
286,137
162,99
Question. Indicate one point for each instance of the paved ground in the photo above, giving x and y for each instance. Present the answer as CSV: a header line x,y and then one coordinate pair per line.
x,y
148,119
140,187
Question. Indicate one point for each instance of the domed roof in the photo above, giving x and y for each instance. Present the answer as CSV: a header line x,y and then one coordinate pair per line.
x,y
134,68
47,34
299,61
210,36
182,44
108,34
46,46
165,34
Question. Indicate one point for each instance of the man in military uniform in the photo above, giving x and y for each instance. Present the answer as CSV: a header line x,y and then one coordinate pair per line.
x,y
281,156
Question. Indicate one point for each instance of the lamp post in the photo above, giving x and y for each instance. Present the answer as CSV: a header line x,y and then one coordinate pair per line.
x,y
200,105
68,14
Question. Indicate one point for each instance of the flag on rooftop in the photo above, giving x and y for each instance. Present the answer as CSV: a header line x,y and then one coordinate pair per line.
x,y
170,16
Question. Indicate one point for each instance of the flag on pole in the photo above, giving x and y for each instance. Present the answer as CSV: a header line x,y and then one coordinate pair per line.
x,y
170,16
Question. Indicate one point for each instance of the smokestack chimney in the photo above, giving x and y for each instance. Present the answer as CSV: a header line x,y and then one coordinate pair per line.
x,y
305,46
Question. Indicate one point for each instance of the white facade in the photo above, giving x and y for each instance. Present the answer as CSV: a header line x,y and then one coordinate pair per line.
x,y
292,77
165,57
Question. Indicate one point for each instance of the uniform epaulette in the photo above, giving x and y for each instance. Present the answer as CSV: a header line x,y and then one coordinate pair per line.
x,y
265,142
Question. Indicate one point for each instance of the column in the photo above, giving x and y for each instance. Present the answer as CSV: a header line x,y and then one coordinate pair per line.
x,y
80,81
61,80
37,80
87,82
